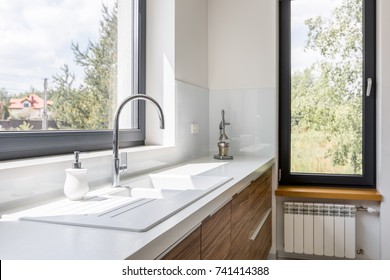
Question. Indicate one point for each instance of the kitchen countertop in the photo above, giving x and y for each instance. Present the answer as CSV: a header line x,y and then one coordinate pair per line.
x,y
36,240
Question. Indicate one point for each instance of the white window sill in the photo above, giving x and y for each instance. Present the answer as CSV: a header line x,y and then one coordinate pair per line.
x,y
11,164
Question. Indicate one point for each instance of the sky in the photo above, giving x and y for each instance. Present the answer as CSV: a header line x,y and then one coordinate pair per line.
x,y
36,37
300,11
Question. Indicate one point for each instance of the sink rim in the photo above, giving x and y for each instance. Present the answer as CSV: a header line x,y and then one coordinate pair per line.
x,y
176,182
150,193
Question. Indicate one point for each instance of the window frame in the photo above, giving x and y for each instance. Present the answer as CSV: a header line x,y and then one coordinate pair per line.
x,y
18,145
368,179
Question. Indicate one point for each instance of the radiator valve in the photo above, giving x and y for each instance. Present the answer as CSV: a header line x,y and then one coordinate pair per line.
x,y
360,252
366,209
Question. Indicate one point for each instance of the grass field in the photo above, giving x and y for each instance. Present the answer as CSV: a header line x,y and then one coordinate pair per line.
x,y
310,154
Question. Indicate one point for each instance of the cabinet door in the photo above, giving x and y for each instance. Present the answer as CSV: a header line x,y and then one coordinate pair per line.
x,y
241,225
261,202
249,209
260,197
215,236
187,249
263,241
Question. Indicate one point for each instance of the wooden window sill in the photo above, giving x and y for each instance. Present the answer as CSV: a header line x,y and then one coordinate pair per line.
x,y
329,193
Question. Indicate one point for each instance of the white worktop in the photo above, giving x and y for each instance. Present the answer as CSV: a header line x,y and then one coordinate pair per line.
x,y
36,240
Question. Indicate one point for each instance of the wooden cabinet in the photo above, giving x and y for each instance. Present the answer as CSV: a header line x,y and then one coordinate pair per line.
x,y
261,238
262,243
187,249
210,241
241,229
251,220
241,225
215,238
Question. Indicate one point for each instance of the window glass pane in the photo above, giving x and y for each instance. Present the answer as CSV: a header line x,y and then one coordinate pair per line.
x,y
59,64
326,86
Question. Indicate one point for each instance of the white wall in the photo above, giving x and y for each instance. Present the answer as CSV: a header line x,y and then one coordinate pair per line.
x,y
383,116
252,117
242,44
160,69
177,50
191,44
191,74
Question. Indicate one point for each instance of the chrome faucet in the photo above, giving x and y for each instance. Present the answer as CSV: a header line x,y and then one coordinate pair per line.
x,y
119,166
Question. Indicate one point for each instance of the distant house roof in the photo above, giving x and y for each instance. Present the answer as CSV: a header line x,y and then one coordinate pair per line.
x,y
34,100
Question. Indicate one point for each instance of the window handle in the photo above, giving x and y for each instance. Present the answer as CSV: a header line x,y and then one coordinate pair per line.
x,y
369,86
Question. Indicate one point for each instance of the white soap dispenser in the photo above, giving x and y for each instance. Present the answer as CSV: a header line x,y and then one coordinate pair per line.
x,y
76,184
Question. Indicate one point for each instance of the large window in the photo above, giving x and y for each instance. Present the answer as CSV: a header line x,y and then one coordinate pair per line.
x,y
71,62
327,92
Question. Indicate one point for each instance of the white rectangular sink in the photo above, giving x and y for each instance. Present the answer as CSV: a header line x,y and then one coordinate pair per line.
x,y
141,205
176,182
145,193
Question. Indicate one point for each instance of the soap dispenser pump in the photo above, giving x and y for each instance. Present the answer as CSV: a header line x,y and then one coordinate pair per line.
x,y
76,184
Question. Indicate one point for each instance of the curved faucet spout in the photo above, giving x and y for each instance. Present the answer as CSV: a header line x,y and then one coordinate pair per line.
x,y
116,162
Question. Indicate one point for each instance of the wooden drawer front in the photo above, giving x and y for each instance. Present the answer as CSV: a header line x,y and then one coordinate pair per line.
x,y
249,208
262,243
261,202
187,249
260,197
215,236
241,225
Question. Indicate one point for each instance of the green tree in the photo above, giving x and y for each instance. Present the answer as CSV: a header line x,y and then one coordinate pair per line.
x,y
4,102
327,96
90,106
3,94
25,126
72,107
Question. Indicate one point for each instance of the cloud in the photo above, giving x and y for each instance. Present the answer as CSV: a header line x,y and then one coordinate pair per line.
x,y
302,10
36,37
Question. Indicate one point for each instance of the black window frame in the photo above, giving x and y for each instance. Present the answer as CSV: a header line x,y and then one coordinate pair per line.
x,y
18,145
368,178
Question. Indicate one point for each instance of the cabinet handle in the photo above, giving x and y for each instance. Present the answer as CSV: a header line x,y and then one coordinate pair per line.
x,y
243,188
262,222
220,207
177,242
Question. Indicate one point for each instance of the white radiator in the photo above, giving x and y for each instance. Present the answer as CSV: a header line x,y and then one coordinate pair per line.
x,y
320,229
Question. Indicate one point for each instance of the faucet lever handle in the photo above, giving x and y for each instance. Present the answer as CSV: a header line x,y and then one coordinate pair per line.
x,y
123,161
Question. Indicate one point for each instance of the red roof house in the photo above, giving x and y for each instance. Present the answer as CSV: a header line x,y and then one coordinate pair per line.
x,y
30,107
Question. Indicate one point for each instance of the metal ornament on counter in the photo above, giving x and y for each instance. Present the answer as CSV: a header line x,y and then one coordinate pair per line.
x,y
223,144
